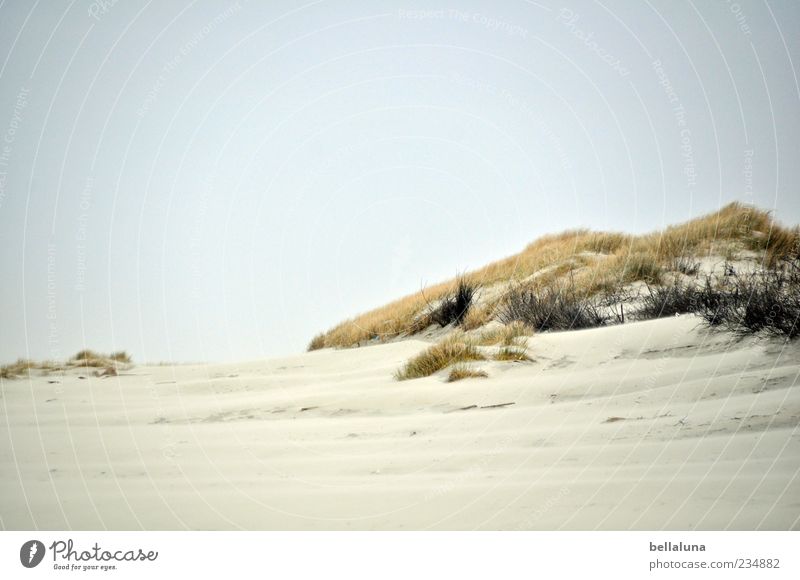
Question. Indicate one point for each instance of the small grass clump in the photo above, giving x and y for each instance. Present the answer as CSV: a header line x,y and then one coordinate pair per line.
x,y
455,348
91,358
512,354
505,335
120,356
86,354
461,372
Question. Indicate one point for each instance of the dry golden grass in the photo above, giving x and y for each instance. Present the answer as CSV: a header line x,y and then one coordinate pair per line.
x,y
17,369
505,335
479,315
782,243
454,348
616,270
121,356
23,367
90,358
461,372
596,261
317,342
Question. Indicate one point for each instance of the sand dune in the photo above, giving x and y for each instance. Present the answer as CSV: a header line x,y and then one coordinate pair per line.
x,y
650,425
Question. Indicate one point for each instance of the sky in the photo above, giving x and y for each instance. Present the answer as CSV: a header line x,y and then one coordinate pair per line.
x,y
220,181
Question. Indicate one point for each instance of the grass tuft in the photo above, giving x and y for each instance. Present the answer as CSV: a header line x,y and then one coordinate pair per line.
x,y
461,372
120,356
86,355
505,335
512,354
454,348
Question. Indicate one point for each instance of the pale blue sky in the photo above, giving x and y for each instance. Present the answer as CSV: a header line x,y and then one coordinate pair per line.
x,y
221,181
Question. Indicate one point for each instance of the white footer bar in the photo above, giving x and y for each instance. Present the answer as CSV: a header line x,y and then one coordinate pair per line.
x,y
381,555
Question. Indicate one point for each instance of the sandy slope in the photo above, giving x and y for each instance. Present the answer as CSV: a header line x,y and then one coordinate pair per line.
x,y
703,434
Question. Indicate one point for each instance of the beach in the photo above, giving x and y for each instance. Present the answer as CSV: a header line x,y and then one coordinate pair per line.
x,y
661,424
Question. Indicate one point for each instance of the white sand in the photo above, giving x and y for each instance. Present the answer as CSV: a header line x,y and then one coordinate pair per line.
x,y
708,439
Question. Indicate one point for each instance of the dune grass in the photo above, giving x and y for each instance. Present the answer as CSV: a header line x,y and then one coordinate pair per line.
x,y
90,358
455,348
461,372
121,356
595,261
17,369
480,314
83,359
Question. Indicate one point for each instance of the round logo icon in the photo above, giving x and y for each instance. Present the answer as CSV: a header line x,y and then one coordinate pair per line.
x,y
31,553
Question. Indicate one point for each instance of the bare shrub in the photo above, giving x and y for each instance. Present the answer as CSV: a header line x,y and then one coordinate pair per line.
x,y
766,302
555,307
453,307
669,300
